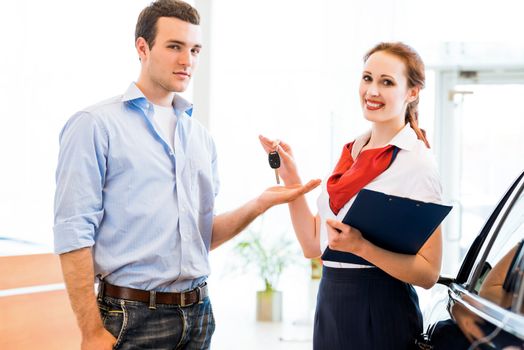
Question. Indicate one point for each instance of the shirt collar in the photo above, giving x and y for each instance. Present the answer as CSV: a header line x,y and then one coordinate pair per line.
x,y
405,139
136,97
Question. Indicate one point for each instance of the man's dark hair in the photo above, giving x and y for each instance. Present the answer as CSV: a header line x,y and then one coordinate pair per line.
x,y
146,25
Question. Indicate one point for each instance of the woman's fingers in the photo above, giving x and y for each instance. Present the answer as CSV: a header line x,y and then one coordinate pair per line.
x,y
266,143
283,149
284,145
337,225
283,154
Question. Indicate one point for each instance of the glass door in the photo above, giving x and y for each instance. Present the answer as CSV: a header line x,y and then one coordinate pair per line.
x,y
480,149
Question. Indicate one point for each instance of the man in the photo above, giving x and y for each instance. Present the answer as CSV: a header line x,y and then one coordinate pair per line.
x,y
136,184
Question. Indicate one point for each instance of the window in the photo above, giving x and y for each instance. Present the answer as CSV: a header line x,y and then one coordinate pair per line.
x,y
491,277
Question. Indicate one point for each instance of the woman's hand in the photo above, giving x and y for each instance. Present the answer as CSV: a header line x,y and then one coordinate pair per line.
x,y
288,170
343,237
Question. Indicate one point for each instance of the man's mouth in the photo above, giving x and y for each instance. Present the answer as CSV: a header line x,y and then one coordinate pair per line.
x,y
182,74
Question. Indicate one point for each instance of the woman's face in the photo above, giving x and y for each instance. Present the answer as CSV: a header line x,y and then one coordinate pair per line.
x,y
384,92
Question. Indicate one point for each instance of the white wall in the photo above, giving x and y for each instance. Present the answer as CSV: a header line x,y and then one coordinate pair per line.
x,y
284,68
57,57
290,70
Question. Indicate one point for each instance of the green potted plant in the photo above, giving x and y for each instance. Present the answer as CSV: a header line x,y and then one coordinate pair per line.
x,y
269,255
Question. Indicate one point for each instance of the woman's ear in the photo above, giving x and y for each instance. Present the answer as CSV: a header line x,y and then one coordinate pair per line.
x,y
413,93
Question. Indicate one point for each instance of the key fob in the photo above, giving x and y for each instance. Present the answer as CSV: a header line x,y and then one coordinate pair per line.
x,y
274,160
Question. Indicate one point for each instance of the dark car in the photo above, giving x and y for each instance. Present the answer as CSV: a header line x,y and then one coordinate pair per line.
x,y
484,305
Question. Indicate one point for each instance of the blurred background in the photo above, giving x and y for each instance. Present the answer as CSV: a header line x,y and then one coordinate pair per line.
x,y
286,69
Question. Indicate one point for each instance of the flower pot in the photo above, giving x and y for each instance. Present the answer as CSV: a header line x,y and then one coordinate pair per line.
x,y
269,306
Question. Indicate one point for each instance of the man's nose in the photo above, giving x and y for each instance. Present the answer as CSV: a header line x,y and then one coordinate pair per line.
x,y
185,59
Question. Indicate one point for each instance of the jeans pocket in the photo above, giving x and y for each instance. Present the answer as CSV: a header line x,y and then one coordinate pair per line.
x,y
206,325
114,317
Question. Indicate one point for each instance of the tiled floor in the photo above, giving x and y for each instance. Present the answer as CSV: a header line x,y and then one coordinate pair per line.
x,y
246,334
234,306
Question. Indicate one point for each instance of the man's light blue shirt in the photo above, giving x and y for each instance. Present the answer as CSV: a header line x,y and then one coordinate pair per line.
x,y
146,211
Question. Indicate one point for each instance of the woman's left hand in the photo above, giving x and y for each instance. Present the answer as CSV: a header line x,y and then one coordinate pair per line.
x,y
343,237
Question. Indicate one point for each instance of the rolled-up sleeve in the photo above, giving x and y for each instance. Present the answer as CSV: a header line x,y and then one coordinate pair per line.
x,y
80,177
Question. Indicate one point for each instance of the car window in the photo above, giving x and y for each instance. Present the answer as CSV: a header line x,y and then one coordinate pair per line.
x,y
476,255
517,278
493,276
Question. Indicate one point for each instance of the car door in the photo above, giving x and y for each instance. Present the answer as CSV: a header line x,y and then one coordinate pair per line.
x,y
485,298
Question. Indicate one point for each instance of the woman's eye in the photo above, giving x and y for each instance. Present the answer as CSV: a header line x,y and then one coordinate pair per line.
x,y
388,82
366,78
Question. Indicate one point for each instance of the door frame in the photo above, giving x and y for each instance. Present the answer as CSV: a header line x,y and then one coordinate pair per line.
x,y
448,134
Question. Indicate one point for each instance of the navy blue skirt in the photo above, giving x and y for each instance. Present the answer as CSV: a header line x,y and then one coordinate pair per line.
x,y
365,309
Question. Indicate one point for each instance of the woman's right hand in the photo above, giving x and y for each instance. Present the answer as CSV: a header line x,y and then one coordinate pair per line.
x,y
288,170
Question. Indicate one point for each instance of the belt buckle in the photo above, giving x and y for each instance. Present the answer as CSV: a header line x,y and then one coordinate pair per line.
x,y
183,300
197,290
188,294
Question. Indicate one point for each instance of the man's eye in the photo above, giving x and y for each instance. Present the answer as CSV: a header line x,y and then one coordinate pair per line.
x,y
195,52
175,47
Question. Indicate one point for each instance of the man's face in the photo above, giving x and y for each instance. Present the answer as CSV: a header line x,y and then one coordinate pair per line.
x,y
170,63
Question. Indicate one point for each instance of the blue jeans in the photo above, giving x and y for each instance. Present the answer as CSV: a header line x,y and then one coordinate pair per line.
x,y
167,327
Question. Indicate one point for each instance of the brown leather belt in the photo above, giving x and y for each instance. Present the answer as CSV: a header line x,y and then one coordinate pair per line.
x,y
188,298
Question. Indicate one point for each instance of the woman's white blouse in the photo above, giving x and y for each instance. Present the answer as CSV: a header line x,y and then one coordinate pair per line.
x,y
413,174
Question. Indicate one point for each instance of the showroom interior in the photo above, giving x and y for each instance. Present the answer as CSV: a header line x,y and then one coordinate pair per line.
x,y
286,69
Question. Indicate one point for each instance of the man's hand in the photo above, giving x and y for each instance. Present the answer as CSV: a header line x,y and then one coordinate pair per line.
x,y
228,225
98,340
77,267
284,194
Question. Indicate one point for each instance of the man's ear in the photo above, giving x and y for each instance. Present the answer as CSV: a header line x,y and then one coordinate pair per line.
x,y
142,48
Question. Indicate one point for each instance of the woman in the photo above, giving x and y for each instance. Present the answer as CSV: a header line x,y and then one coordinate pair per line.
x,y
371,304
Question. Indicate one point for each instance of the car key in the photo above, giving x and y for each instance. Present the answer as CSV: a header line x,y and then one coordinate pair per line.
x,y
274,163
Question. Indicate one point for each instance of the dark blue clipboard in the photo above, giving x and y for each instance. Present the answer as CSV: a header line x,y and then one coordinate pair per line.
x,y
394,223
